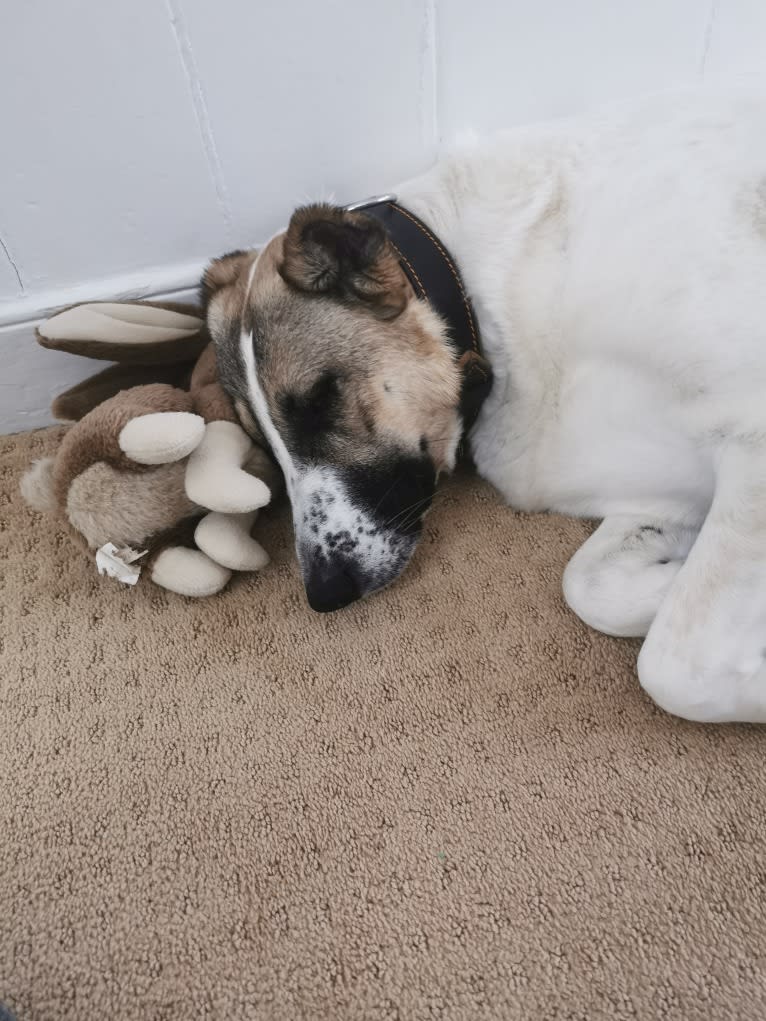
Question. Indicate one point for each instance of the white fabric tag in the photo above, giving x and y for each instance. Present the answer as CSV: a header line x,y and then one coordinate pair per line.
x,y
119,563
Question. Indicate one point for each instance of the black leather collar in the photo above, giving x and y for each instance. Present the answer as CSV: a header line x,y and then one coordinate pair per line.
x,y
434,276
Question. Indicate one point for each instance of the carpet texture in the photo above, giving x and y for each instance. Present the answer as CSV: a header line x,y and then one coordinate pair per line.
x,y
451,801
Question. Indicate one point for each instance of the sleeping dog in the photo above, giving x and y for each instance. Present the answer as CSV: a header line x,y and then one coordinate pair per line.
x,y
583,301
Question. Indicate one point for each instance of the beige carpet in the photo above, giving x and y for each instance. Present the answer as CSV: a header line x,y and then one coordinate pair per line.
x,y
452,801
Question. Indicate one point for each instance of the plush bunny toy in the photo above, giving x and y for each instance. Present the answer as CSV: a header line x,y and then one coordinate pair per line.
x,y
158,476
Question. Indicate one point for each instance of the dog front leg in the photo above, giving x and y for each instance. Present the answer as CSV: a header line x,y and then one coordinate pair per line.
x,y
619,577
705,655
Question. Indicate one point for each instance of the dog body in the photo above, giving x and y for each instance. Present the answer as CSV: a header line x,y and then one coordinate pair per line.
x,y
617,266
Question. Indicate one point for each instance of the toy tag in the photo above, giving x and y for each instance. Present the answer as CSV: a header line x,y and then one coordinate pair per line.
x,y
119,563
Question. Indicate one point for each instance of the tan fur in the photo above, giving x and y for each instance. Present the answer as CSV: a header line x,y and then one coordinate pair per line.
x,y
106,504
328,250
400,378
225,280
209,397
226,271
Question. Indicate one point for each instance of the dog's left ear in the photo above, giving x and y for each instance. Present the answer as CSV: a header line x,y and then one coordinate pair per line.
x,y
329,250
476,382
224,272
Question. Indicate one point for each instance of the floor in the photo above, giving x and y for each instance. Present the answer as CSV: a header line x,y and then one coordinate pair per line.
x,y
451,801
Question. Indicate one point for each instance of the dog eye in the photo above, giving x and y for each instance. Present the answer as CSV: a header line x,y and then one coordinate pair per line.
x,y
315,410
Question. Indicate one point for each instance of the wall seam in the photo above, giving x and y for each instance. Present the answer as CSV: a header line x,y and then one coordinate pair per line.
x,y
199,105
432,43
12,263
708,37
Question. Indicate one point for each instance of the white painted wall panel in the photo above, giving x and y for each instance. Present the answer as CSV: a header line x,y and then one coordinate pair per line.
x,y
511,62
309,99
9,281
138,139
737,40
103,167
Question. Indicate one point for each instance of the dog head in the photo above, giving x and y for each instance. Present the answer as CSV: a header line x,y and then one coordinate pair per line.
x,y
323,344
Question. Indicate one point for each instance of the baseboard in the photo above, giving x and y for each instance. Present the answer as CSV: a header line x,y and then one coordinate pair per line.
x,y
142,283
30,376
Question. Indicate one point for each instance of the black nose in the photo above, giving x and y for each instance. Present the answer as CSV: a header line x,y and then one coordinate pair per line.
x,y
331,587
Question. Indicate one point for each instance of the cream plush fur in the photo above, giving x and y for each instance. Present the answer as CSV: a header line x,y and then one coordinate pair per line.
x,y
215,477
162,437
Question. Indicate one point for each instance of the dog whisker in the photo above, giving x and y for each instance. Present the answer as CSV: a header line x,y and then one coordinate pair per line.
x,y
404,518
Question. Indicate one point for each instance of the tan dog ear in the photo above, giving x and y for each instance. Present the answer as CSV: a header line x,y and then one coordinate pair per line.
x,y
329,250
129,332
224,272
75,403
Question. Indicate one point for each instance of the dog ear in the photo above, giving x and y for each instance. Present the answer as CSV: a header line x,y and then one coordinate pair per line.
x,y
128,332
329,250
476,378
223,272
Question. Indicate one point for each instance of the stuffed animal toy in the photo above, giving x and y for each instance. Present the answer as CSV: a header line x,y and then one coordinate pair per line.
x,y
158,476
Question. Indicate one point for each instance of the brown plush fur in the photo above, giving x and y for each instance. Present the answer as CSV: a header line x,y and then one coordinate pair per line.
x,y
96,437
101,494
107,504
75,403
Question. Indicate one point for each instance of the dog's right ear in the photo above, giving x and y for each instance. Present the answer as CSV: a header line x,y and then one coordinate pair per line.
x,y
329,250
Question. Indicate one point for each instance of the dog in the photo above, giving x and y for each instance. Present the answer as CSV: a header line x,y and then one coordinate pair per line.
x,y
609,272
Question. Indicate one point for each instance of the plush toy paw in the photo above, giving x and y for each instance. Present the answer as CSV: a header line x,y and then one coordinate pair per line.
x,y
189,572
226,539
161,437
214,476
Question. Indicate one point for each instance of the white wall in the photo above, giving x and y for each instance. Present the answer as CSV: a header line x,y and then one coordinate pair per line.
x,y
138,139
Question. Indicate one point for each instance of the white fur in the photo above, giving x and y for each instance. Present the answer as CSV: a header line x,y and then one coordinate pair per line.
x,y
618,268
290,469
328,521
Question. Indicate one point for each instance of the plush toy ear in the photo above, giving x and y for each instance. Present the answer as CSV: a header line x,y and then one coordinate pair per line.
x,y
129,332
329,250
75,403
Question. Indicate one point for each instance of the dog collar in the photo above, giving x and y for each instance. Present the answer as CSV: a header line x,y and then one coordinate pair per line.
x,y
435,278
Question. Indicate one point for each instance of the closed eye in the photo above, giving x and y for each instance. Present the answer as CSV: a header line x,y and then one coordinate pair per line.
x,y
312,414
317,407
